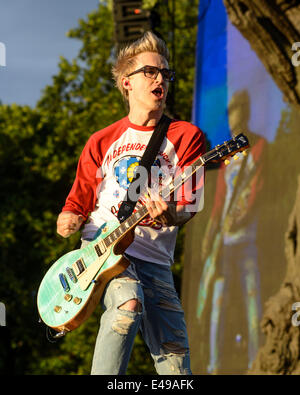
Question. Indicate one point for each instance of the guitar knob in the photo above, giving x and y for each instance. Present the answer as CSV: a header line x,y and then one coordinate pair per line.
x,y
235,157
68,297
226,161
245,153
57,309
77,300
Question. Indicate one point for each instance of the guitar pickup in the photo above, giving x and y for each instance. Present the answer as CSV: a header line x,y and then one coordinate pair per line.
x,y
71,274
78,267
100,249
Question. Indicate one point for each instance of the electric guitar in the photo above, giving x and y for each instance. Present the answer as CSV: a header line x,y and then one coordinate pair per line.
x,y
74,284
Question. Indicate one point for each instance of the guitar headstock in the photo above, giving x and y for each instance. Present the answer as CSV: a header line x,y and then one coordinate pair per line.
x,y
228,149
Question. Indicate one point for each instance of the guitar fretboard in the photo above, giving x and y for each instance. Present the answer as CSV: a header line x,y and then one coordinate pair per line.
x,y
125,226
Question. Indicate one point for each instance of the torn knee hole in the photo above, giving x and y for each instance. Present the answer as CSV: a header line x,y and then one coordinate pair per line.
x,y
131,305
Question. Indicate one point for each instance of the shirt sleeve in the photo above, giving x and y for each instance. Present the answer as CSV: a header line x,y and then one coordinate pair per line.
x,y
83,195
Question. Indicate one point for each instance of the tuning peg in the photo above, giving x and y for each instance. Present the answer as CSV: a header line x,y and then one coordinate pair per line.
x,y
235,157
226,161
245,153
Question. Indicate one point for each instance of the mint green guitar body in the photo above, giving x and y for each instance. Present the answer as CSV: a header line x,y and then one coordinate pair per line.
x,y
74,284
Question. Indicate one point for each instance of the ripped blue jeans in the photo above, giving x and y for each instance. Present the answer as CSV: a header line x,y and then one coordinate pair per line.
x,y
160,319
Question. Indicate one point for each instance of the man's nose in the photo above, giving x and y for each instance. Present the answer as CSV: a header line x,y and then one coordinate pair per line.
x,y
159,77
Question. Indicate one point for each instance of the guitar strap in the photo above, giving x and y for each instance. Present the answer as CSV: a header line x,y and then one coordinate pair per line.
x,y
128,205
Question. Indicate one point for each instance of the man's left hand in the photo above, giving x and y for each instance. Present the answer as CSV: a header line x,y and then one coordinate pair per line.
x,y
167,213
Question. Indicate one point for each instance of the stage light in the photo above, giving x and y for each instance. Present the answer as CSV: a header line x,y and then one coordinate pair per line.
x,y
131,20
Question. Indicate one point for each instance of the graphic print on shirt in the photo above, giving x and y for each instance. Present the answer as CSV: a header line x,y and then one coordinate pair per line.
x,y
124,171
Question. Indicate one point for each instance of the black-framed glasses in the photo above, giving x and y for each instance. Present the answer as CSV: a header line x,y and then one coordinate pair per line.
x,y
152,72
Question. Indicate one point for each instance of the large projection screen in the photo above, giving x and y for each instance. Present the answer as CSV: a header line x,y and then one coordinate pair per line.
x,y
234,257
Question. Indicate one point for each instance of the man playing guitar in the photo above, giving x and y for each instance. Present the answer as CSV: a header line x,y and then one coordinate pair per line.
x,y
143,296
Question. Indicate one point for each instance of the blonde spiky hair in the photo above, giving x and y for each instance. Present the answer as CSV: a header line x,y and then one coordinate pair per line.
x,y
126,61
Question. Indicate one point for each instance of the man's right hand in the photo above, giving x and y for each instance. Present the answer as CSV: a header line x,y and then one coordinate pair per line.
x,y
68,223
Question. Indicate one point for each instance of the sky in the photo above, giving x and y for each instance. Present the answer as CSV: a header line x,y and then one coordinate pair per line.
x,y
33,33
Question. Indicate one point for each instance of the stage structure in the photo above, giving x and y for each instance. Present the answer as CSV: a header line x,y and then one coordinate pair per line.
x,y
234,257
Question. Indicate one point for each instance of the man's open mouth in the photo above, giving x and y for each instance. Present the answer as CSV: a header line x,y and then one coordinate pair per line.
x,y
158,92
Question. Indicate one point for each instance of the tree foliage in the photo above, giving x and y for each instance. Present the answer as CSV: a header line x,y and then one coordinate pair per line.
x,y
39,151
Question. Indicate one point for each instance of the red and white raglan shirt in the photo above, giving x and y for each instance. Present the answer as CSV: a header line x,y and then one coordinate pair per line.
x,y
105,170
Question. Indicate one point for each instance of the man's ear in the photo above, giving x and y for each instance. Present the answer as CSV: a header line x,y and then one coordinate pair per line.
x,y
126,83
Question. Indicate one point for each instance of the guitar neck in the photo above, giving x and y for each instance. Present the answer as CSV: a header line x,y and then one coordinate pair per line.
x,y
125,226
